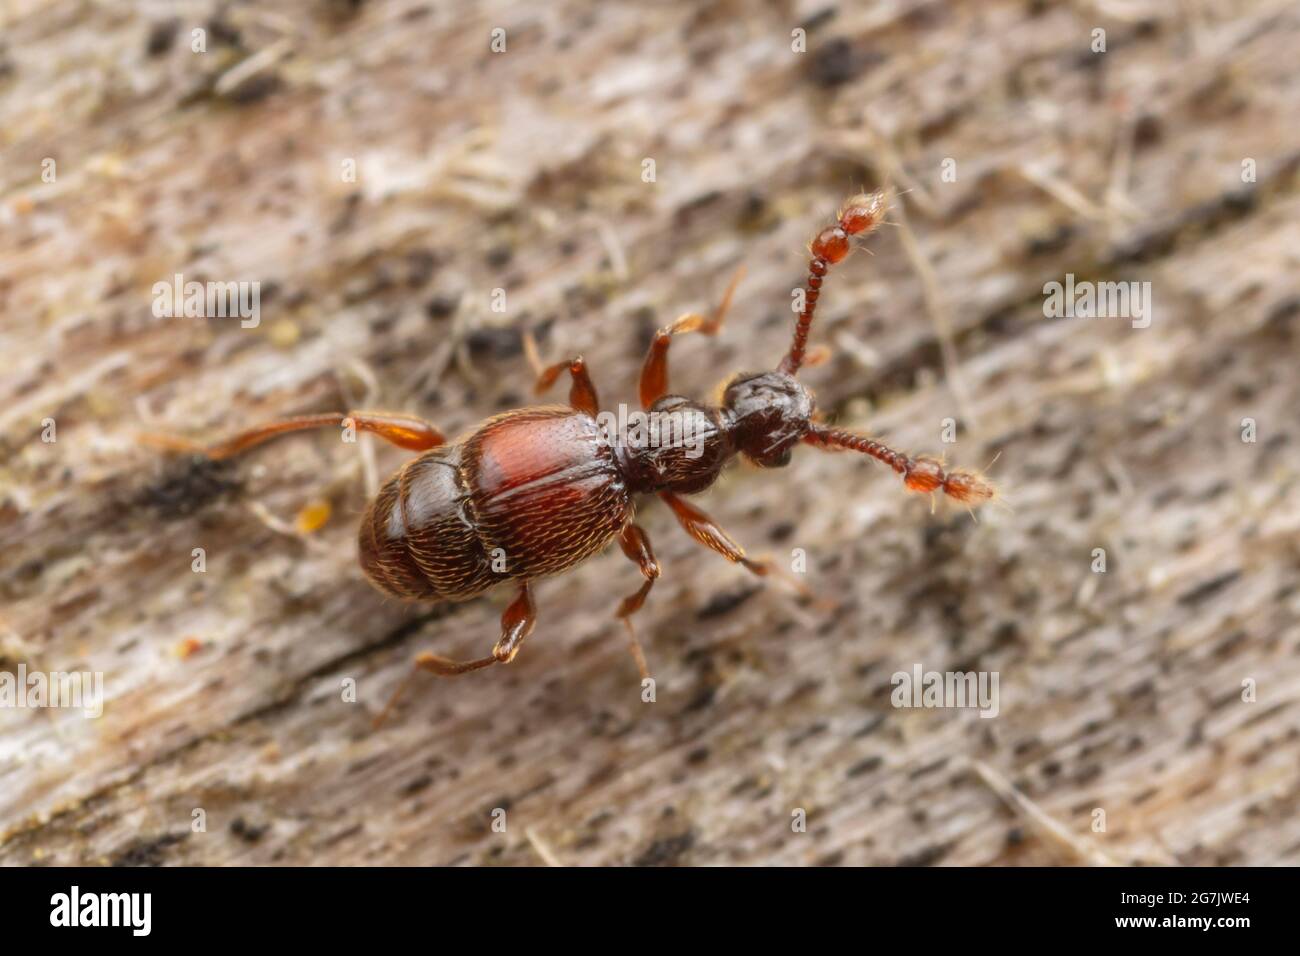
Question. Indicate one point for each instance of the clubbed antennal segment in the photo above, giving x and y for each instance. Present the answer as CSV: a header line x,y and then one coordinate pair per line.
x,y
859,216
925,475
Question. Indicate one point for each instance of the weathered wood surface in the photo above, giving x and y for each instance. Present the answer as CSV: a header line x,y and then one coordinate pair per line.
x,y
1120,691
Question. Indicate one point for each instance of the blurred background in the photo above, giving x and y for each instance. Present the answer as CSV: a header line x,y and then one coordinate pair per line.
x,y
378,169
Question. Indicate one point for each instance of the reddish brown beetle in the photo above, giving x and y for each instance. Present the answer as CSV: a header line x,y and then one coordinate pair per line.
x,y
535,491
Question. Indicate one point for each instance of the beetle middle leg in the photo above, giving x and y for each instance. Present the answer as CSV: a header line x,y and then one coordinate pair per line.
x,y
405,431
710,534
654,373
636,545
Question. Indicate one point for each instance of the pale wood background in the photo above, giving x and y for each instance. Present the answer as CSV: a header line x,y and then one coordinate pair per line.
x,y
1119,691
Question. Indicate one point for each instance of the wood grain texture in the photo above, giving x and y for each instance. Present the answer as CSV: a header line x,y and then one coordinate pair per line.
x,y
522,171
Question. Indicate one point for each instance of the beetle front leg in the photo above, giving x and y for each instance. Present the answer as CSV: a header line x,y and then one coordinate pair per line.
x,y
654,373
582,393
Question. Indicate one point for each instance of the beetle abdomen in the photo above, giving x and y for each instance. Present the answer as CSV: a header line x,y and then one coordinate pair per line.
x,y
530,493
418,538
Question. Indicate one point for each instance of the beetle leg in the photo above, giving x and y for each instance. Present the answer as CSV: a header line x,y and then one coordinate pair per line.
x,y
654,373
517,622
405,431
636,545
582,393
708,533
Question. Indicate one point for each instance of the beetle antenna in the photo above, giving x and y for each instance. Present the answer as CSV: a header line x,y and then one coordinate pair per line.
x,y
858,216
922,474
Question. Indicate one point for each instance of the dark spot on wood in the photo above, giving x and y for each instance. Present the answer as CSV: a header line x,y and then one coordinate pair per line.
x,y
499,256
421,264
819,18
256,88
344,9
1231,644
808,733
927,856
756,214
188,485
698,756
688,210
836,62
702,699
1046,244
499,342
928,768
248,832
1282,313
782,531
222,32
162,34
667,851
412,787
1208,588
864,766
1147,131
1087,774
724,603
442,306
148,851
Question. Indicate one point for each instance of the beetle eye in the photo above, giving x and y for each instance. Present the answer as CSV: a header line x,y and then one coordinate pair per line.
x,y
778,460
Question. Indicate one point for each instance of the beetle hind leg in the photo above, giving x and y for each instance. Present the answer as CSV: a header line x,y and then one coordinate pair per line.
x,y
517,622
405,431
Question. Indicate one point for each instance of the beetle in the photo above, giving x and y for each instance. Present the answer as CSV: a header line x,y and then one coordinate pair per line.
x,y
535,491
